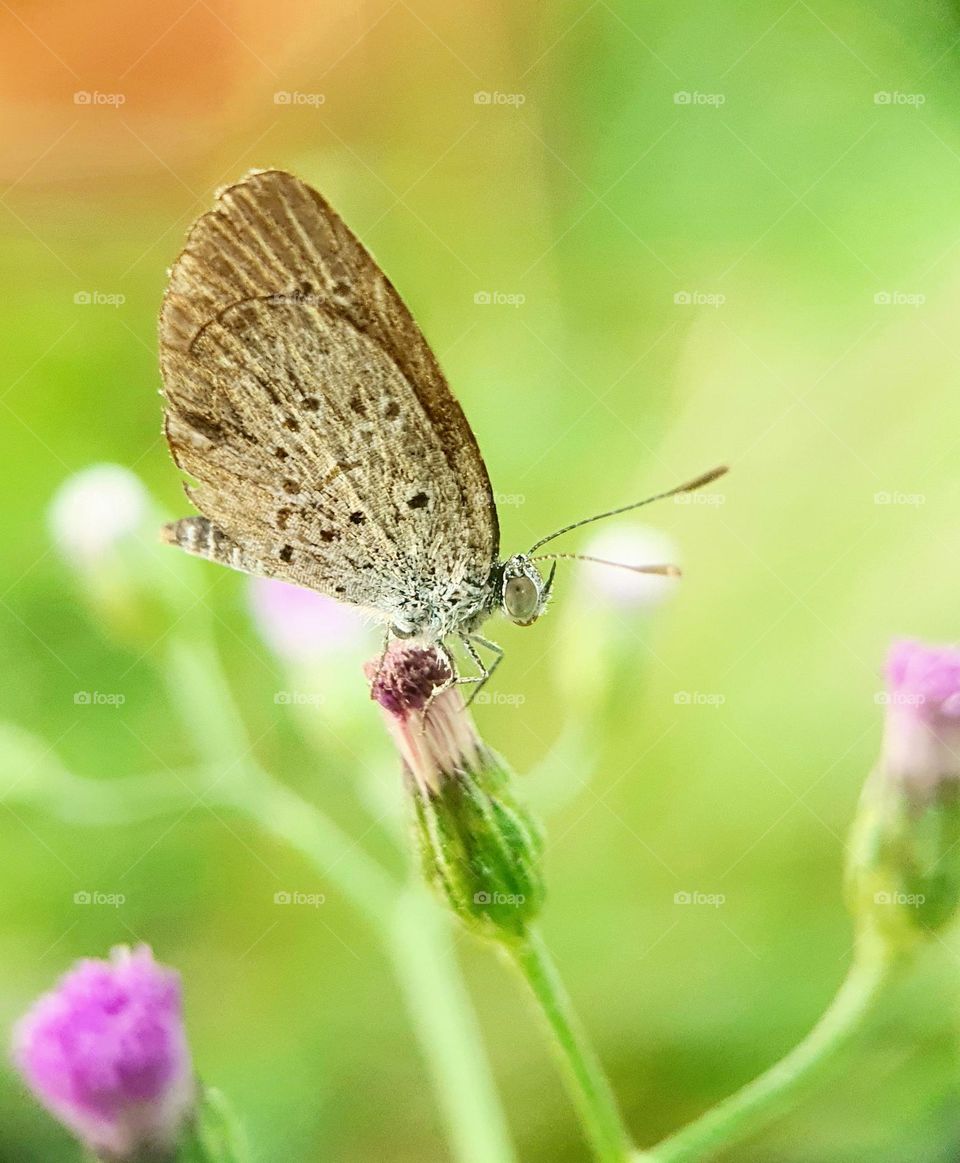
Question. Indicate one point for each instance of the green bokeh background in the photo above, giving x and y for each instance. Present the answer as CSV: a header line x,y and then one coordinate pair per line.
x,y
802,200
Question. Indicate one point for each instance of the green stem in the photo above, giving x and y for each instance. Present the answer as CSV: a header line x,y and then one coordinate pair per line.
x,y
417,943
801,1070
588,1085
199,689
280,812
423,956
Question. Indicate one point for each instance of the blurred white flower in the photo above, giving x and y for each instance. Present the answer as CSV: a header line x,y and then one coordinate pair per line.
x,y
606,585
94,509
302,626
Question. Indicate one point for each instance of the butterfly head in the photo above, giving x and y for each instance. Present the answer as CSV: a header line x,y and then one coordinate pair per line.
x,y
523,592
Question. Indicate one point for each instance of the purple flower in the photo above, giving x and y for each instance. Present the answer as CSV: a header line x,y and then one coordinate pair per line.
x,y
105,1052
921,746
300,625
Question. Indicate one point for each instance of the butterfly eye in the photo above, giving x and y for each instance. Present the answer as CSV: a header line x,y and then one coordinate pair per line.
x,y
521,600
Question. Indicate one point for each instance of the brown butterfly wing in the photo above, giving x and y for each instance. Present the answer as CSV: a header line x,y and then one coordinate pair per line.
x,y
304,400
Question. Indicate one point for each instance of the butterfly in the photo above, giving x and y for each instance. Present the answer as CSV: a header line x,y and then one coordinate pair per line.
x,y
326,447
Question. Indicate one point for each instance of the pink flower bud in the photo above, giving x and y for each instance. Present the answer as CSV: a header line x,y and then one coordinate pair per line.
x,y
302,626
105,1052
921,744
432,745
903,869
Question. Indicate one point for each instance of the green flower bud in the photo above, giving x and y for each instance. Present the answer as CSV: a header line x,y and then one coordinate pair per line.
x,y
904,861
479,848
214,1135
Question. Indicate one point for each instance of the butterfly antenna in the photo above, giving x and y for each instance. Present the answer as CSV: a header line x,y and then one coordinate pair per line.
x,y
656,570
699,482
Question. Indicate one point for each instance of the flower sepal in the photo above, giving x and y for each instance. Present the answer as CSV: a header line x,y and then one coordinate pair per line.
x,y
901,878
214,1134
480,849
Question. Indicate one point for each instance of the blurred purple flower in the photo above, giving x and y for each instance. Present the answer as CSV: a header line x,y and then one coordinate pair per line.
x,y
606,585
105,1052
302,626
95,508
921,745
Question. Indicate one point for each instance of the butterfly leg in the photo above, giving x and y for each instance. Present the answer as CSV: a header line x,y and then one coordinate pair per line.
x,y
478,680
454,678
381,659
486,672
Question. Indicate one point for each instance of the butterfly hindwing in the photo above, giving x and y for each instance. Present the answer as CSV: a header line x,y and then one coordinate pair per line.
x,y
302,397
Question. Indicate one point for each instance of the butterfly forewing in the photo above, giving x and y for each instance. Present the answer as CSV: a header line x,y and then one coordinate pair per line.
x,y
302,397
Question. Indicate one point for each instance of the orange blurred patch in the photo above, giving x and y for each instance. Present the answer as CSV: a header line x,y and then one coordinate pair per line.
x,y
110,86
